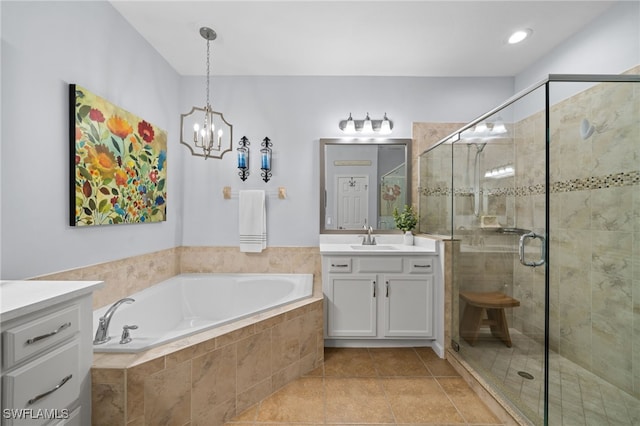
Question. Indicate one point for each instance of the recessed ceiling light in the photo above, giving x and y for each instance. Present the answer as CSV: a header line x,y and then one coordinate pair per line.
x,y
519,36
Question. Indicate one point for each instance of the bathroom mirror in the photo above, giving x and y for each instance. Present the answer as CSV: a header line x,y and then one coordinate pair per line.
x,y
362,182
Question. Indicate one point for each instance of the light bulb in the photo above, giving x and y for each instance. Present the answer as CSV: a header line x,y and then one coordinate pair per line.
x,y
481,128
385,126
350,127
367,127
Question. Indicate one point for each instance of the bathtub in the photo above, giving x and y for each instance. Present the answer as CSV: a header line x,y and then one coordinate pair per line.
x,y
191,303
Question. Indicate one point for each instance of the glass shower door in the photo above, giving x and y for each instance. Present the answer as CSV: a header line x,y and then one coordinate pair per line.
x,y
499,268
594,332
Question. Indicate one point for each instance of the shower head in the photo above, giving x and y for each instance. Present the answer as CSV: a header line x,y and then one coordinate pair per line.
x,y
586,129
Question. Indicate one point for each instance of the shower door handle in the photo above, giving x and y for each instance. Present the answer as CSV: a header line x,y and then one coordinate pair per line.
x,y
543,249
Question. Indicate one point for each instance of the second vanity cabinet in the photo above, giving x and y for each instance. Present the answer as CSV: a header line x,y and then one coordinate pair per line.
x,y
379,297
46,352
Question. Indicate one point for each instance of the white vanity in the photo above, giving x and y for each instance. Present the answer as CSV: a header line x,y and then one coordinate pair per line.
x,y
46,352
388,294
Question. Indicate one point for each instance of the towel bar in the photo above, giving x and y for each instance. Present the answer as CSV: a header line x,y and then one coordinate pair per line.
x,y
281,193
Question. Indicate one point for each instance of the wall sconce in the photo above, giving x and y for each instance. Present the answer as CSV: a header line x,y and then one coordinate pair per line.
x,y
243,158
367,126
265,159
204,131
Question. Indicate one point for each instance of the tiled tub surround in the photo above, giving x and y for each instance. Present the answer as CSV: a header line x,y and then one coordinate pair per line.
x,y
127,276
258,354
208,378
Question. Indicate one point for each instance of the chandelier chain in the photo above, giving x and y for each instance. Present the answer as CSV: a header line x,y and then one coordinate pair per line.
x,y
208,62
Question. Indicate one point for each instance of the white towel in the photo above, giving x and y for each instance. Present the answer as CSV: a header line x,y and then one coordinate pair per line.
x,y
253,221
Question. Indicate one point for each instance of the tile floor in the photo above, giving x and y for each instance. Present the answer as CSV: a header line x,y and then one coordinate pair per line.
x,y
577,396
374,386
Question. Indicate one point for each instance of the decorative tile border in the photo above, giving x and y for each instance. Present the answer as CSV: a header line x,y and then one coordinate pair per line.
x,y
598,182
594,182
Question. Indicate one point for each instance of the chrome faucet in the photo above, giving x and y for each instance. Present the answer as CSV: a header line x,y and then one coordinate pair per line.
x,y
102,334
368,240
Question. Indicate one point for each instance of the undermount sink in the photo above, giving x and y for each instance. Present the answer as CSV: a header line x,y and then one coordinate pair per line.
x,y
372,247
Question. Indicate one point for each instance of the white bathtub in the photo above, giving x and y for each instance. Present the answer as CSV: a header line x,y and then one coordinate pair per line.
x,y
190,303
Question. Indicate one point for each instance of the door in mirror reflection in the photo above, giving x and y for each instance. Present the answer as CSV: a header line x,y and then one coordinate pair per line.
x,y
353,200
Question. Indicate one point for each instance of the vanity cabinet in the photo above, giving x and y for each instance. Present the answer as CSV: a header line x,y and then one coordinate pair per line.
x,y
378,297
46,352
353,308
408,306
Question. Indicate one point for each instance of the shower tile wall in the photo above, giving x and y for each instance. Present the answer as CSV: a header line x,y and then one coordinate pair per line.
x,y
432,177
529,191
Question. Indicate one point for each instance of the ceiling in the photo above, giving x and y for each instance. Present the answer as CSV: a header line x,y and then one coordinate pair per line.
x,y
357,38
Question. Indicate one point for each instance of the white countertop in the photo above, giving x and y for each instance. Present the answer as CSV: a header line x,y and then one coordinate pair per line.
x,y
19,298
387,244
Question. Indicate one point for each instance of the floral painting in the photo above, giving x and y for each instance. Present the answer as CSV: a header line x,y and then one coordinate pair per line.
x,y
118,164
392,195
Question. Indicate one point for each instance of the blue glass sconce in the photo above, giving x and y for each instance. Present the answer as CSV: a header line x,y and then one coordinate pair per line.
x,y
243,158
265,159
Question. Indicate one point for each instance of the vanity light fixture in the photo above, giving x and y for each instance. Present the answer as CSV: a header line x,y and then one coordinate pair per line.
x,y
265,159
500,172
243,158
519,36
486,130
204,131
366,126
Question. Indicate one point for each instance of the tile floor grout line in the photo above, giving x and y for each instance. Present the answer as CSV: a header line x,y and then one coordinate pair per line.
x,y
452,401
386,398
324,395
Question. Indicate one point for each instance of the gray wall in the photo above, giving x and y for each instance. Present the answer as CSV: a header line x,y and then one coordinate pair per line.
x,y
610,44
295,112
46,46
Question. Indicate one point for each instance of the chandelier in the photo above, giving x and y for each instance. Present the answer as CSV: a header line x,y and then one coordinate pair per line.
x,y
204,131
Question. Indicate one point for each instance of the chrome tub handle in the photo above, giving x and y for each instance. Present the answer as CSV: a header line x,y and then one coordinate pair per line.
x,y
42,395
53,333
543,249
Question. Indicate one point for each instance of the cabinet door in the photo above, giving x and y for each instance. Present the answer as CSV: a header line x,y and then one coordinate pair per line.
x,y
408,303
352,306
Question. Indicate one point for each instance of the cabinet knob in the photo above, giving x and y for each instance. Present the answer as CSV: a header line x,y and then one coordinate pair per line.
x,y
374,287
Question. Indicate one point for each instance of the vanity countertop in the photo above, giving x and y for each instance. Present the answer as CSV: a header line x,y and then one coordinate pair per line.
x,y
385,244
19,298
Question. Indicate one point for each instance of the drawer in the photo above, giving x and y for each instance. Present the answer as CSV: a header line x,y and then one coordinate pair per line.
x,y
340,264
74,418
380,264
51,382
421,266
23,341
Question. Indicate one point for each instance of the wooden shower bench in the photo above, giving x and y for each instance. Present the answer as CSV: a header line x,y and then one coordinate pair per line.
x,y
494,303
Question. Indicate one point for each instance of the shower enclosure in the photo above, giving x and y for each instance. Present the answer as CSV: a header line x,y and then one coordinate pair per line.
x,y
541,198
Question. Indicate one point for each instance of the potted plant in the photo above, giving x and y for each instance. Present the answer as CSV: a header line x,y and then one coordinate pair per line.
x,y
406,221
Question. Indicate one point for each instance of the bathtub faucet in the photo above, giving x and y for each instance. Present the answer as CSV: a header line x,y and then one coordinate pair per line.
x,y
102,334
